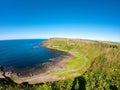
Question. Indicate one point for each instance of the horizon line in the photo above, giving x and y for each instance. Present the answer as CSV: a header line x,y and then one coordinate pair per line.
x,y
57,37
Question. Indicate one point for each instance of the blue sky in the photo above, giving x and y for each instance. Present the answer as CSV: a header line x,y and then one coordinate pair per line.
x,y
86,19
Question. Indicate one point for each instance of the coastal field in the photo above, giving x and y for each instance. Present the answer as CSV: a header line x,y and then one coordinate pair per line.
x,y
94,65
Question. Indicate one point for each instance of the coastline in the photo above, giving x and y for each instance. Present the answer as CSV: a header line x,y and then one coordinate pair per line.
x,y
41,73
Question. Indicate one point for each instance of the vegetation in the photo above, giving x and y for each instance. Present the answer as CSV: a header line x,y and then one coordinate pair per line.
x,y
95,66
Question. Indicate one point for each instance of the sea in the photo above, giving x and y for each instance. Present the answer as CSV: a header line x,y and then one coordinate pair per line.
x,y
20,54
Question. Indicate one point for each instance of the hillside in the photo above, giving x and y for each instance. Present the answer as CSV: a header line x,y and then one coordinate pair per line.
x,y
95,66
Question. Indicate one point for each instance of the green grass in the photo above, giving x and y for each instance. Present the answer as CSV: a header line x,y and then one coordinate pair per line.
x,y
100,60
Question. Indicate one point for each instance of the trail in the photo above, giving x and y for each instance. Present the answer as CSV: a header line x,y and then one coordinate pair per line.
x,y
81,67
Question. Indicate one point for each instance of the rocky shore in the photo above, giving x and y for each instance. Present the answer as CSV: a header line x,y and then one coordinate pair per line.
x,y
39,73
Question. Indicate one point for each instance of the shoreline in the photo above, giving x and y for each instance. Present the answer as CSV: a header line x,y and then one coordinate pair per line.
x,y
41,73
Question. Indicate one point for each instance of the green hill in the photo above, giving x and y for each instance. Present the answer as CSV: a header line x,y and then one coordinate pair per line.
x,y
95,66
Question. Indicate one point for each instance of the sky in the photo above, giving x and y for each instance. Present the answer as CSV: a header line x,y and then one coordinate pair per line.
x,y
84,19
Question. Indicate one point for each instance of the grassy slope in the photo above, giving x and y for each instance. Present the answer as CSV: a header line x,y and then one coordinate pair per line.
x,y
75,67
96,65
104,58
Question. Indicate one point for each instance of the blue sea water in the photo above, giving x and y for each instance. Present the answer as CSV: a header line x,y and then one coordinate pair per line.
x,y
24,53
